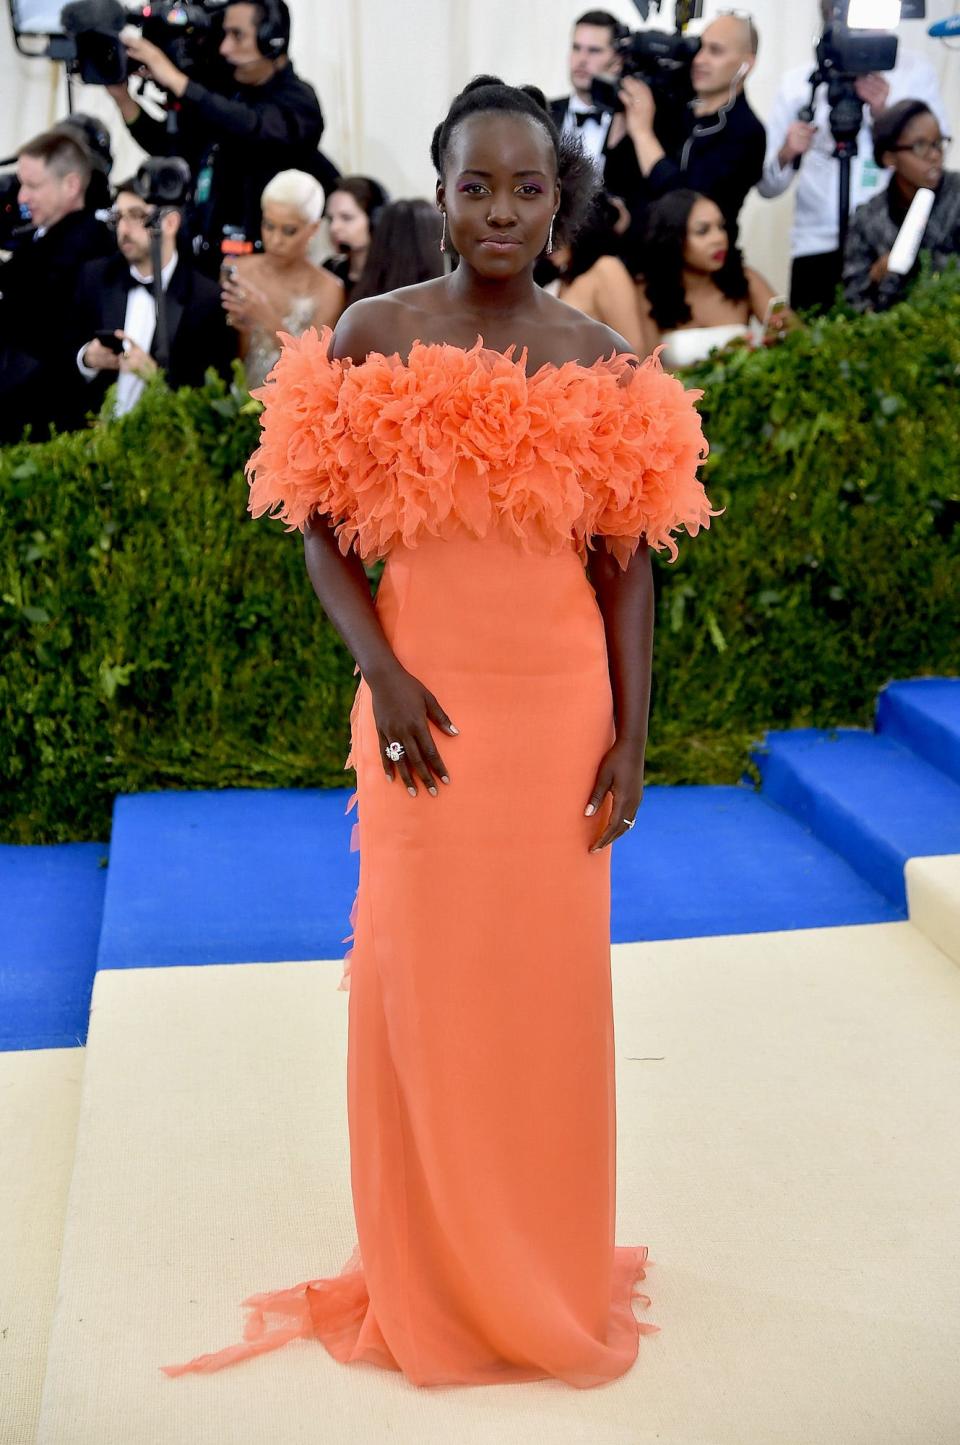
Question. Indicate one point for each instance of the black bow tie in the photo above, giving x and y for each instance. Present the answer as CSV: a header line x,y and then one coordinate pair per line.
x,y
582,116
134,281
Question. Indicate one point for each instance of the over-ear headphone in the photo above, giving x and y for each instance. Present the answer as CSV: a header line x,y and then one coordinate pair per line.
x,y
273,32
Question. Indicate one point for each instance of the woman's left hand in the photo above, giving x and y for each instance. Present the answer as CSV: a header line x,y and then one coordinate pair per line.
x,y
621,774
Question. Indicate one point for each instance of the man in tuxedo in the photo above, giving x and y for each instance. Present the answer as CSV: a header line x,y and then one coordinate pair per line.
x,y
38,383
592,54
117,295
603,133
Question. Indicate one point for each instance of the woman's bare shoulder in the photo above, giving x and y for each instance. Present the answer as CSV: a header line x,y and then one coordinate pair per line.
x,y
361,329
388,323
599,340
611,266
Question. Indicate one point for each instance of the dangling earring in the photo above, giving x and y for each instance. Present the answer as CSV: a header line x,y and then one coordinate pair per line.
x,y
443,233
549,246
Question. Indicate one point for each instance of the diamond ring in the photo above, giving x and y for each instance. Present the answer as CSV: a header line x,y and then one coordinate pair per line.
x,y
394,751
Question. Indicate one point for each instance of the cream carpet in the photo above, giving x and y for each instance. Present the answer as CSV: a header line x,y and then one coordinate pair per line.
x,y
39,1102
788,1152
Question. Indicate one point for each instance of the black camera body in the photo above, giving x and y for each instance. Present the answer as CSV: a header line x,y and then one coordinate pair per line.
x,y
164,181
14,218
188,34
660,57
849,53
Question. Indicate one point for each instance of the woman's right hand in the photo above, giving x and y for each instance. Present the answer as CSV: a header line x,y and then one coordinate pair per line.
x,y
403,709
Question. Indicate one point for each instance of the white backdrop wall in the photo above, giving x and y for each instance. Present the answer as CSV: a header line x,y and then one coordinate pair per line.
x,y
385,73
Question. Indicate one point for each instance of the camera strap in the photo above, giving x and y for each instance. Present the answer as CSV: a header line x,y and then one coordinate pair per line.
x,y
700,132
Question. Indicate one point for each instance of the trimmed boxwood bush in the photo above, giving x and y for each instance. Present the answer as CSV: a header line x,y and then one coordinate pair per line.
x,y
153,636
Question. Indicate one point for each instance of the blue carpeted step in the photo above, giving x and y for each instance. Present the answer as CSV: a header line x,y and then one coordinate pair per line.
x,y
51,901
924,715
242,877
715,860
238,876
876,803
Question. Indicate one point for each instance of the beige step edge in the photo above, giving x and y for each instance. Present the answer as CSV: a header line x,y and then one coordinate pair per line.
x,y
39,1110
933,897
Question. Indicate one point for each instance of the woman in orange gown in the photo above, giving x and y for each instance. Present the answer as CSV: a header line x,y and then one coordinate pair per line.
x,y
498,738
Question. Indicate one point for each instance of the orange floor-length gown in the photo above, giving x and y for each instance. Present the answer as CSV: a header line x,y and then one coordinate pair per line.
x,y
480,1073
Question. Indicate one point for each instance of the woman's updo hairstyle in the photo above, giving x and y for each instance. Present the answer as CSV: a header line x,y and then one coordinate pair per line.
x,y
575,171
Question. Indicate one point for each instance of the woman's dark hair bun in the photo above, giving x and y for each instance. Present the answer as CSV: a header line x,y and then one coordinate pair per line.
x,y
535,93
479,81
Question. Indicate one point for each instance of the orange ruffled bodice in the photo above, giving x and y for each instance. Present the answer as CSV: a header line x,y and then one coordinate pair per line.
x,y
454,439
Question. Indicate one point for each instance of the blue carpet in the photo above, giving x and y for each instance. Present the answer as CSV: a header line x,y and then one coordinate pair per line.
x,y
240,877
924,715
871,800
51,901
719,860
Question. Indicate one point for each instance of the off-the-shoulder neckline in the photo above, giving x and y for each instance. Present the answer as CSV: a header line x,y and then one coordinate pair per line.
x,y
615,363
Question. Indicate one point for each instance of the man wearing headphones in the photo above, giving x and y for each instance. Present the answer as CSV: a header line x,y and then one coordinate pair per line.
x,y
269,120
715,145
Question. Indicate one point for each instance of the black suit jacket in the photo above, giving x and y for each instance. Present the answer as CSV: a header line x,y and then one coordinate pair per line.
x,y
198,334
39,383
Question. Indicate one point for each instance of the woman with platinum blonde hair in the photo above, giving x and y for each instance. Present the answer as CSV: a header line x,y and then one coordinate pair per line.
x,y
280,289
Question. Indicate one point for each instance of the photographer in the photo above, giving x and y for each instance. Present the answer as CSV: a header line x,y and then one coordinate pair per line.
x,y
117,311
714,146
38,382
801,152
235,143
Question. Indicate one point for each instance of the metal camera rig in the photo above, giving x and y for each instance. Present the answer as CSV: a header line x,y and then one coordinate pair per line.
x,y
844,53
164,183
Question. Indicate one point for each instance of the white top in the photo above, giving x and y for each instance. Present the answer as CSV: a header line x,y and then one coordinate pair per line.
x,y
140,323
695,343
816,222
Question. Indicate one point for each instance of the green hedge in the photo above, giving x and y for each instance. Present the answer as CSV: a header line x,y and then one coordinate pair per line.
x,y
154,637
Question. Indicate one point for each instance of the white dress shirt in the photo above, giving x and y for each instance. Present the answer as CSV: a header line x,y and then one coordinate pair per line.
x,y
816,219
140,323
592,133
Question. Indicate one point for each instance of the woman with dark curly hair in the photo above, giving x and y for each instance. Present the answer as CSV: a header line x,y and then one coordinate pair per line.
x,y
696,295
513,463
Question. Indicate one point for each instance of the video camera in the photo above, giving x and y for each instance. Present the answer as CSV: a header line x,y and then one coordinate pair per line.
x,y
661,58
188,34
858,41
